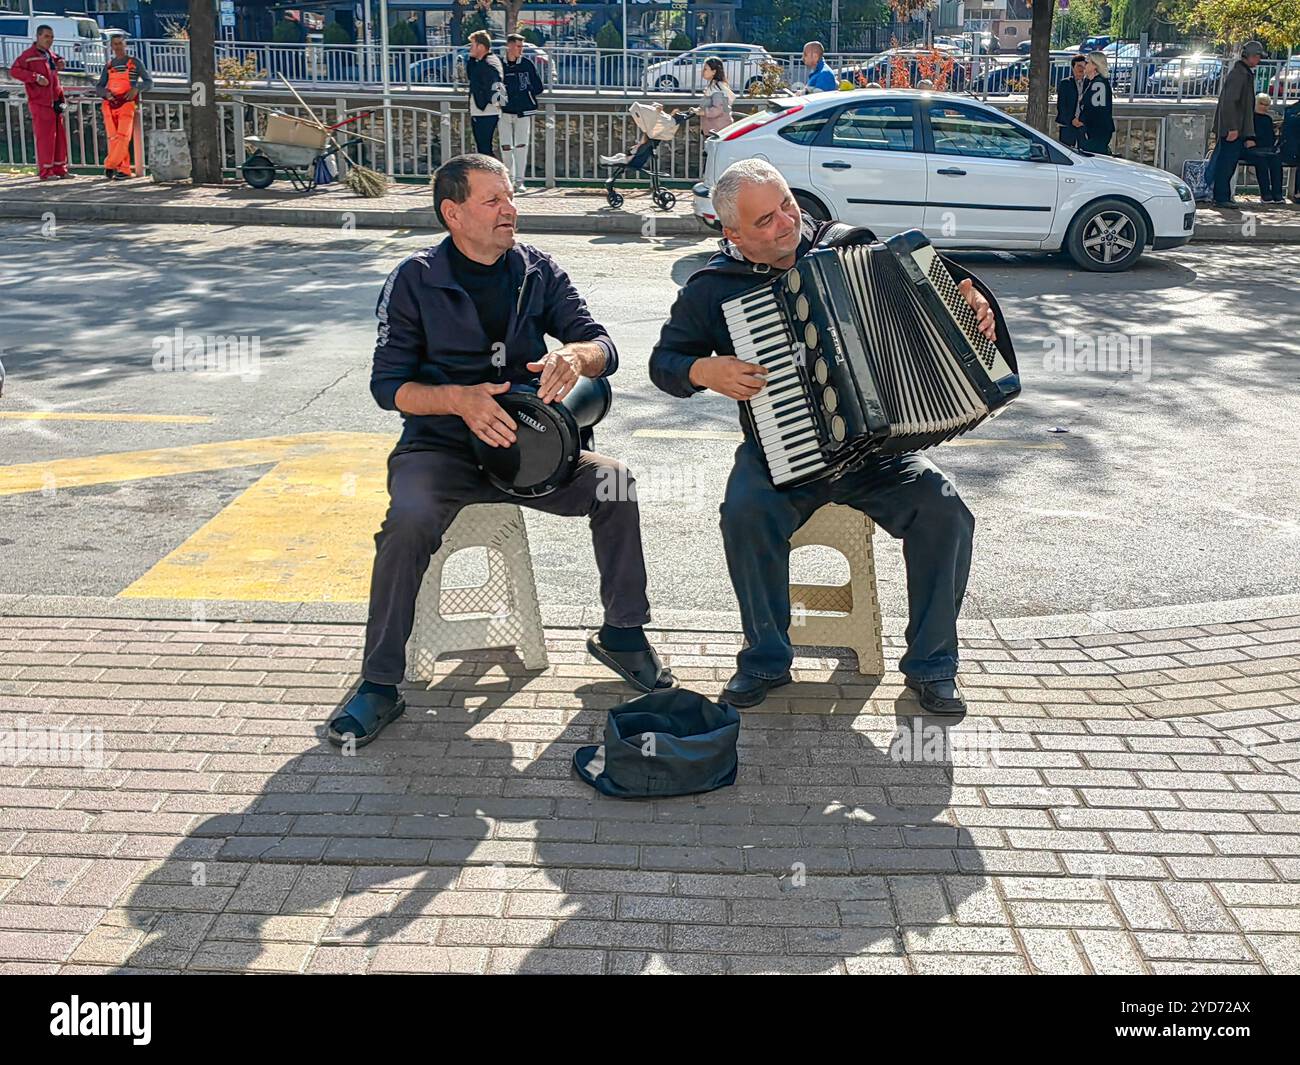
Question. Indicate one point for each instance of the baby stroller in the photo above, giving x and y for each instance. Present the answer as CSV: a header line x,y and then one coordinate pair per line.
x,y
656,126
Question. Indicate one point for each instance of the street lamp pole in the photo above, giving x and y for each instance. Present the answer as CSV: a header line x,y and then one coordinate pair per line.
x,y
624,36
835,25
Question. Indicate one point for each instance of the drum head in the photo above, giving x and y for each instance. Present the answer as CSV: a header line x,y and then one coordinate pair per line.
x,y
544,453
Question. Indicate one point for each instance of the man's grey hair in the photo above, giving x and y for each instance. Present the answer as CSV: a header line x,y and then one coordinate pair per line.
x,y
739,174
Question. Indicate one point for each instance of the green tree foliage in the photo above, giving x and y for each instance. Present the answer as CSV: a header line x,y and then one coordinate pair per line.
x,y
286,32
1275,23
609,38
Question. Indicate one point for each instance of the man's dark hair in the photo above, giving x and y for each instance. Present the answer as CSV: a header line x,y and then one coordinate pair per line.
x,y
451,180
512,37
42,28
1080,58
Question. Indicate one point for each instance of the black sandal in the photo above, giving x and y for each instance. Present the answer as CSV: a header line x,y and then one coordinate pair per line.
x,y
641,669
368,713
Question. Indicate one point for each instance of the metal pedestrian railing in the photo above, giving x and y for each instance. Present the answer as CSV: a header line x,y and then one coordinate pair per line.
x,y
603,71
566,143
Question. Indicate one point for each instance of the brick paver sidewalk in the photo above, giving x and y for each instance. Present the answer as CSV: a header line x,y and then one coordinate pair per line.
x,y
1113,803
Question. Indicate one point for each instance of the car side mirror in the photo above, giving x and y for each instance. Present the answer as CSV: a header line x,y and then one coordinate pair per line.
x,y
1038,153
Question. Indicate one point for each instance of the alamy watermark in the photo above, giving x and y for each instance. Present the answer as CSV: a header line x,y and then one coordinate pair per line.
x,y
1103,353
51,746
183,352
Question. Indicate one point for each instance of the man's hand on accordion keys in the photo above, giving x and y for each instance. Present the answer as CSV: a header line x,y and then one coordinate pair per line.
x,y
985,319
729,376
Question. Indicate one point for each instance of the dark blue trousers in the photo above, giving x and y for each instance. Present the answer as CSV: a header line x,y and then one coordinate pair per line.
x,y
906,495
1226,158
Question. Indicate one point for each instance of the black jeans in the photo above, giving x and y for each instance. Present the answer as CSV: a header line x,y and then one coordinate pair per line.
x,y
1268,171
484,127
427,489
906,495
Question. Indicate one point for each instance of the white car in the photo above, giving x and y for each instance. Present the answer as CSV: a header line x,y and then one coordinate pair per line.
x,y
743,64
966,174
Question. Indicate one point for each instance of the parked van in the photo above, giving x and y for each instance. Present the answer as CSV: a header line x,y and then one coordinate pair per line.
x,y
77,38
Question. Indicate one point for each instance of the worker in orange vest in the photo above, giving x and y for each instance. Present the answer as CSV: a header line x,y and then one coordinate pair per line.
x,y
120,83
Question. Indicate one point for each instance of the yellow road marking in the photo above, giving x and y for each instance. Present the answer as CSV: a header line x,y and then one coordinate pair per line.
x,y
73,416
303,532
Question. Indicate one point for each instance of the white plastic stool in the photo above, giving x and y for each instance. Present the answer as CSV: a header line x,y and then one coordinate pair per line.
x,y
502,612
850,612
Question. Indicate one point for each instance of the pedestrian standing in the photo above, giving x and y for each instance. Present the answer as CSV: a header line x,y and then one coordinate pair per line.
x,y
1097,112
121,82
487,90
523,86
38,69
1069,101
1233,120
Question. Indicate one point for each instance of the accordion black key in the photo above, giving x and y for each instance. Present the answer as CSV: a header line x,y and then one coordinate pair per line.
x,y
868,348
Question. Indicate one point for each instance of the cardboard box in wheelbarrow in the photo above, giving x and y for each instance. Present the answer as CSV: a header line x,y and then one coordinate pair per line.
x,y
286,129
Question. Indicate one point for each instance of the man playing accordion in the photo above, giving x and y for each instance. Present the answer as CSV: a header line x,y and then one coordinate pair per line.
x,y
905,494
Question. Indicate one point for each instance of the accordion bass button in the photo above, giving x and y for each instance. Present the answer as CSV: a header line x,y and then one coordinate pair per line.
x,y
837,428
830,400
810,335
801,308
822,371
793,281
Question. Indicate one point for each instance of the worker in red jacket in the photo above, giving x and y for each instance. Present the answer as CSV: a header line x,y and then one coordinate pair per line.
x,y
38,69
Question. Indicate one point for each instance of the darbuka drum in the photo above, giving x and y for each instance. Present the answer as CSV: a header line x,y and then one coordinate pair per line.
x,y
548,437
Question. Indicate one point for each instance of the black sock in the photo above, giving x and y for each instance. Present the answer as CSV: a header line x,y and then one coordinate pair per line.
x,y
369,687
613,638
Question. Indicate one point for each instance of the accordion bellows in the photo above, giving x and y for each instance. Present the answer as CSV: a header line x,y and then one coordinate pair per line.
x,y
868,348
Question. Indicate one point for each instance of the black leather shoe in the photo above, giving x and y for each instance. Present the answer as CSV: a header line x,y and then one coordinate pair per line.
x,y
938,696
745,690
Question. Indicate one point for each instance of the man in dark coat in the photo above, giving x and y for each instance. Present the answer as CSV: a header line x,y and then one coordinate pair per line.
x,y
1069,100
1234,120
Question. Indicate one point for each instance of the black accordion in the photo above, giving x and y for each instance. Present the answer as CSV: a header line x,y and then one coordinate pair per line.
x,y
868,348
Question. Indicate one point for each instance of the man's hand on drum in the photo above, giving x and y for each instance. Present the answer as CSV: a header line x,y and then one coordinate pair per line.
x,y
984,317
732,377
560,369
486,417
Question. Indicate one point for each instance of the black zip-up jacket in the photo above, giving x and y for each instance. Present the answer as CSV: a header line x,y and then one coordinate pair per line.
x,y
523,86
696,328
485,85
429,332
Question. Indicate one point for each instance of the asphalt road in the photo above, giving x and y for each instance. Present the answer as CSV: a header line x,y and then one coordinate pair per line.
x,y
1098,489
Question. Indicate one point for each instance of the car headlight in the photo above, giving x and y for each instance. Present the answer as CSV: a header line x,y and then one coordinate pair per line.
x,y
1184,193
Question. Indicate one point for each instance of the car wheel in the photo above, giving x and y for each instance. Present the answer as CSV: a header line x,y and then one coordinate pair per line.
x,y
666,82
1107,236
811,206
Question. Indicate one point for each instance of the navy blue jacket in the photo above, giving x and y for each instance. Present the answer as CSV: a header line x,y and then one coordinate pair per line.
x,y
523,86
429,332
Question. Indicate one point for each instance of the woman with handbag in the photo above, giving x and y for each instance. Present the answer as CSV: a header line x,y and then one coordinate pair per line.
x,y
715,111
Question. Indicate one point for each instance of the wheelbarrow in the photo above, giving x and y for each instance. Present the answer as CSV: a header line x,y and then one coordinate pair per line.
x,y
300,163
